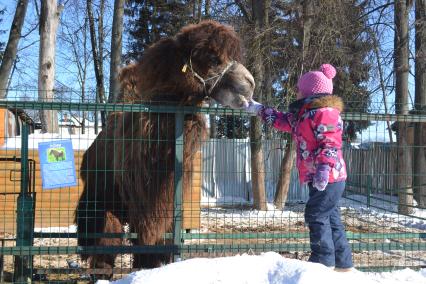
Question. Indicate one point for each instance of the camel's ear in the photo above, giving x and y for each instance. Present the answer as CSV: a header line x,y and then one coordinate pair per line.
x,y
127,77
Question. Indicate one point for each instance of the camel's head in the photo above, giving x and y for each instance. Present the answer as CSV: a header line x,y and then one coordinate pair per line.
x,y
212,52
201,60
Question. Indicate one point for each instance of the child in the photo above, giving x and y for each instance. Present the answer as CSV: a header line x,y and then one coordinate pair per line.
x,y
315,122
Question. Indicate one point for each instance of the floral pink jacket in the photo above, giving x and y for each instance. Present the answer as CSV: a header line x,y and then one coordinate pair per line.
x,y
317,128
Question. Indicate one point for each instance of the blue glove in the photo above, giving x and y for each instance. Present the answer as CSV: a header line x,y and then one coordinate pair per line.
x,y
254,107
321,177
266,113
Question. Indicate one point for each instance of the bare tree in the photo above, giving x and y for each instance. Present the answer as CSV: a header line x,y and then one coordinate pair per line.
x,y
207,8
199,12
259,19
116,48
401,68
11,50
283,184
49,19
97,42
376,48
419,155
212,117
73,38
284,178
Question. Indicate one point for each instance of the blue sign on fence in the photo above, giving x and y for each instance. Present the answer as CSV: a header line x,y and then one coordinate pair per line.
x,y
57,164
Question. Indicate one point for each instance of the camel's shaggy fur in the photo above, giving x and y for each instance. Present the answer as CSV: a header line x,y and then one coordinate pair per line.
x,y
128,171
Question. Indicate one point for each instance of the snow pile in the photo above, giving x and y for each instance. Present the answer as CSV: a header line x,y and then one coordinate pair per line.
x,y
79,141
266,268
69,229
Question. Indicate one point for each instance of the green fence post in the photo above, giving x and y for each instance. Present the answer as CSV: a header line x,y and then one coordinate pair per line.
x,y
177,214
24,216
369,186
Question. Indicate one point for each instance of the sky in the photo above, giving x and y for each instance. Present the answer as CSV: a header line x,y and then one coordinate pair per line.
x,y
25,77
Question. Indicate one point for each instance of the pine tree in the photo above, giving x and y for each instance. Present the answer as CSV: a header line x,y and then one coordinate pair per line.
x,y
151,20
338,36
232,127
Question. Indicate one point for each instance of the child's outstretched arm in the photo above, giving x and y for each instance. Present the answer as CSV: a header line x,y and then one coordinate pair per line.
x,y
278,120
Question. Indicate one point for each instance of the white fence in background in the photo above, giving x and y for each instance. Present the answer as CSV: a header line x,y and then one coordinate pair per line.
x,y
227,171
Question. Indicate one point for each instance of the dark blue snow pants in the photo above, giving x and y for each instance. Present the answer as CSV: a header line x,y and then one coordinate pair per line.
x,y
329,245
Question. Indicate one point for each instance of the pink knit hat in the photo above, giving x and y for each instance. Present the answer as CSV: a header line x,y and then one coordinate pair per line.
x,y
317,82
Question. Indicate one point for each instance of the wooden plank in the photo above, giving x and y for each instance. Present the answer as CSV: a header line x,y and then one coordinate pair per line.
x,y
6,167
2,126
191,202
56,207
53,207
5,182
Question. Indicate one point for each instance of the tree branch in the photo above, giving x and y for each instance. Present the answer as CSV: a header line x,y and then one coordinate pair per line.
x,y
384,6
243,10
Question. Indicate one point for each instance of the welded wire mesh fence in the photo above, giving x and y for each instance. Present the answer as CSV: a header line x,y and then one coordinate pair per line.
x,y
153,186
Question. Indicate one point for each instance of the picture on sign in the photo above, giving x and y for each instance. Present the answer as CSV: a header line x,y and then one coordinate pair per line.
x,y
55,155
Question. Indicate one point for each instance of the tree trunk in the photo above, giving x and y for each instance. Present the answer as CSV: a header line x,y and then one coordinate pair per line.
x,y
11,50
257,165
283,185
267,63
116,48
257,161
212,117
401,69
382,82
207,8
101,41
83,115
200,11
97,57
212,120
284,178
49,20
419,155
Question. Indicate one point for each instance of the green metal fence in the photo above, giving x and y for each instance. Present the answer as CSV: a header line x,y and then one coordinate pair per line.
x,y
39,241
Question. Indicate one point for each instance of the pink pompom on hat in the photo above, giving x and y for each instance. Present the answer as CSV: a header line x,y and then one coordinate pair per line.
x,y
317,82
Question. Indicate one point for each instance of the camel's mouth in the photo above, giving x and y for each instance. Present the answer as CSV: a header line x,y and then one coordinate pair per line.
x,y
236,88
243,106
240,103
229,98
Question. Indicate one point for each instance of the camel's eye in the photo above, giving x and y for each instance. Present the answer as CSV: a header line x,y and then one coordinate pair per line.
x,y
215,60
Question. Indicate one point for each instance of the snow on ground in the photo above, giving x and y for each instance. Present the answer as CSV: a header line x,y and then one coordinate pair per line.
x,y
249,218
384,208
271,267
266,268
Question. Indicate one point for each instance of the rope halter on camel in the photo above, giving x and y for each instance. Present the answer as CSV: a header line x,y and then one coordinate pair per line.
x,y
203,81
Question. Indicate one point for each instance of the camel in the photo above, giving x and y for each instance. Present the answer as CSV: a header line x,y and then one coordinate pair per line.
x,y
128,171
